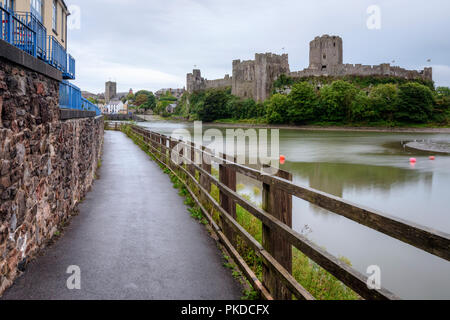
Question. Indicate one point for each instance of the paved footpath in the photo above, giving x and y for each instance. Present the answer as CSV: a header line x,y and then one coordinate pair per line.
x,y
133,239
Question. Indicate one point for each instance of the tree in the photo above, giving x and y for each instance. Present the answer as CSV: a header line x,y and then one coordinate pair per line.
x,y
302,103
277,109
415,103
362,109
141,99
214,106
384,100
336,101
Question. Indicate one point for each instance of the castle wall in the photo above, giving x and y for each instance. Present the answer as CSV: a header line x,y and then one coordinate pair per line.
x,y
195,82
244,79
268,67
254,78
366,70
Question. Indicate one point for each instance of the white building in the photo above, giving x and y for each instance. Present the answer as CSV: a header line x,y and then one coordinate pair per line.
x,y
114,107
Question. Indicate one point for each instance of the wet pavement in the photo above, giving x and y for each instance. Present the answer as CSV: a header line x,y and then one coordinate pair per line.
x,y
133,239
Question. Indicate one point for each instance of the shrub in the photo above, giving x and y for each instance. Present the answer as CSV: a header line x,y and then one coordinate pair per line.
x,y
276,108
415,103
302,103
384,99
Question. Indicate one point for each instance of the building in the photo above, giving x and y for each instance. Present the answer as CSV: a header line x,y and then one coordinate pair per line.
x,y
114,107
171,108
254,78
52,14
111,92
177,93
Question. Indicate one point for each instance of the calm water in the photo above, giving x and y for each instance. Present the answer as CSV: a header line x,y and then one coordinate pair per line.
x,y
371,169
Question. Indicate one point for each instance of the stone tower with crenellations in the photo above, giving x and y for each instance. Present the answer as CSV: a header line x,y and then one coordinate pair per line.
x,y
110,91
254,78
325,52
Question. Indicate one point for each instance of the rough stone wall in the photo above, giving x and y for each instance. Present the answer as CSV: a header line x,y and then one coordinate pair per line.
x,y
110,91
326,59
195,82
46,165
244,84
366,70
325,52
268,67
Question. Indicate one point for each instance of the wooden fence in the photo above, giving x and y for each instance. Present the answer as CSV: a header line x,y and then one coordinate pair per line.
x,y
276,217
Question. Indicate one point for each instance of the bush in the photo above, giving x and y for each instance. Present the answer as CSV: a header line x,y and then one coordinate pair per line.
x,y
276,108
302,103
415,103
384,99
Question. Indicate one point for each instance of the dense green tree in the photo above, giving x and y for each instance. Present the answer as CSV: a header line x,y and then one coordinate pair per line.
x,y
214,106
415,103
384,100
302,103
362,109
276,108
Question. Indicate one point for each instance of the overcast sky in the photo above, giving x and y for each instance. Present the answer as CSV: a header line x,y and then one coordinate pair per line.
x,y
152,44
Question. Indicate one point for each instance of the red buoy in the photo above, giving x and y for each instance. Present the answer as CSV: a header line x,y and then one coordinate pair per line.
x,y
432,158
413,160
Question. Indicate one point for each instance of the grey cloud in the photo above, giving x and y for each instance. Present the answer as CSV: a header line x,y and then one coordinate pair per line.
x,y
153,44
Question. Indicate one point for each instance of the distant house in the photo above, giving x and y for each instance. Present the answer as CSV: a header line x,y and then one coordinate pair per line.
x,y
171,108
177,93
115,107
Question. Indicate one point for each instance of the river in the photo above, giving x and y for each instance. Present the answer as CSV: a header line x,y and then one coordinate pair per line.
x,y
371,169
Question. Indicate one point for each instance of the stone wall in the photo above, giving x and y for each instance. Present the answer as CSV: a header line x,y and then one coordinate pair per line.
x,y
195,82
254,78
384,70
46,165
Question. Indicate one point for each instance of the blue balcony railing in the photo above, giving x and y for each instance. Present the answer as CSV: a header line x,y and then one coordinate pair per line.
x,y
41,32
26,31
70,74
70,98
57,55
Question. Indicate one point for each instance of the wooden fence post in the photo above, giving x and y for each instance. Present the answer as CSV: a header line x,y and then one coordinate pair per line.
x,y
207,167
227,176
278,203
192,167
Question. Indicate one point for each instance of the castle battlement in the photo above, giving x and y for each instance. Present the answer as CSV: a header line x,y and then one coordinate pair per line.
x,y
254,78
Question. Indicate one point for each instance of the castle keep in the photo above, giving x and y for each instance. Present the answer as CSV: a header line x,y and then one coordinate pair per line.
x,y
254,78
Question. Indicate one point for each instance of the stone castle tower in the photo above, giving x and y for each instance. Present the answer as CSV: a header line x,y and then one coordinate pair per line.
x,y
325,52
110,91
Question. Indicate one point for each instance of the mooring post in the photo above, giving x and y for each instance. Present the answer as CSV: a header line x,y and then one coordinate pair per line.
x,y
277,203
227,175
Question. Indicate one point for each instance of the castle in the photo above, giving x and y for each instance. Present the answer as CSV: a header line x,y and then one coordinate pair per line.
x,y
254,78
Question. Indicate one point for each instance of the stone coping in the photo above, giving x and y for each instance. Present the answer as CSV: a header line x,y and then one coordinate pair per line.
x,y
17,56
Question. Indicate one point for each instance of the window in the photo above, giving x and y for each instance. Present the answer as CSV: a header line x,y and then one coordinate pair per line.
x,y
55,17
9,4
36,9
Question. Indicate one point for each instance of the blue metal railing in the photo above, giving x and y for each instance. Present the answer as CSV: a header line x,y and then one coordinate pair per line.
x,y
41,32
70,98
14,29
25,31
57,55
70,74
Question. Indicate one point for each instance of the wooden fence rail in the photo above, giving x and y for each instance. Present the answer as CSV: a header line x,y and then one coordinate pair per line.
x,y
276,218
